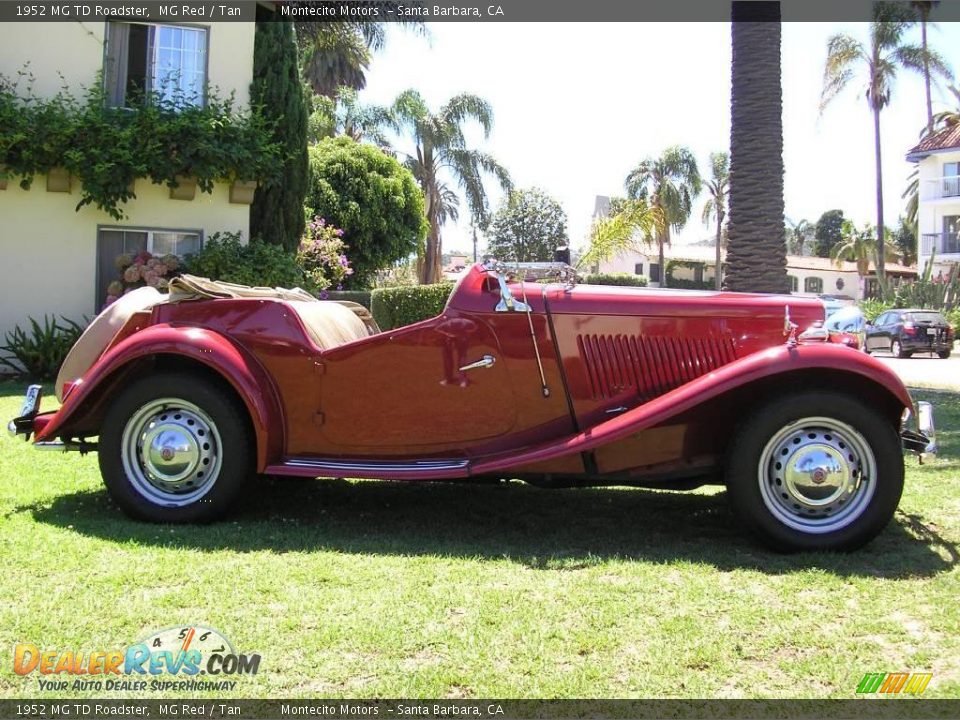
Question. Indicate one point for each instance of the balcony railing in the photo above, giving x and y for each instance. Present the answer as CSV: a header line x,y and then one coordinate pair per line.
x,y
944,243
943,187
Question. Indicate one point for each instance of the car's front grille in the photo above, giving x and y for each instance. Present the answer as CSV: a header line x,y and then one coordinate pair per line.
x,y
648,366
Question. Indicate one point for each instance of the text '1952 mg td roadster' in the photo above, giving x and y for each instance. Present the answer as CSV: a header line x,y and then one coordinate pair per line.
x,y
524,375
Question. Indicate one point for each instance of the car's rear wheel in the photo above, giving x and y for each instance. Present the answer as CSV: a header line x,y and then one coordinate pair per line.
x,y
944,354
175,448
815,471
896,348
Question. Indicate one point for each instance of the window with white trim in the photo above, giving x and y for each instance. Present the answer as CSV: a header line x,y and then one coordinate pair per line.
x,y
813,284
951,179
169,60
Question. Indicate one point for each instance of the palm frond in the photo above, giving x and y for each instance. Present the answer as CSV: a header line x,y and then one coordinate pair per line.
x,y
843,51
466,106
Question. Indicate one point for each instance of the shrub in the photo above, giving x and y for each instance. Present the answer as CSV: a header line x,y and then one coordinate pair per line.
x,y
872,309
623,279
357,296
224,258
374,198
399,306
40,353
953,317
322,256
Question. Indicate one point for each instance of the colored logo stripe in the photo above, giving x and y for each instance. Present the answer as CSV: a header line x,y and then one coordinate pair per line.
x,y
892,683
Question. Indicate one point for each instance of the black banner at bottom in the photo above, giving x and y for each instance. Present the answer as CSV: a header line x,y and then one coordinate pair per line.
x,y
906,708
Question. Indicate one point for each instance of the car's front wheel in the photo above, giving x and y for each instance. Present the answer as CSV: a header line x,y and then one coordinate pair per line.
x,y
175,448
815,471
944,354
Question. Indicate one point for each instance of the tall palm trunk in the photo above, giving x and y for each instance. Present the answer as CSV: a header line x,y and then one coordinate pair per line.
x,y
756,251
662,240
717,271
881,275
926,69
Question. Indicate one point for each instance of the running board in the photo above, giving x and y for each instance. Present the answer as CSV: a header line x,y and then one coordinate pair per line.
x,y
374,469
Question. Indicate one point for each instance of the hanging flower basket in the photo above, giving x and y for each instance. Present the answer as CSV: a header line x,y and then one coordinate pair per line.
x,y
186,188
241,191
59,180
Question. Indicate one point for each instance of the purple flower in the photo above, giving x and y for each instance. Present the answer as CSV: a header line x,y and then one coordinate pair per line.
x,y
343,261
324,295
339,233
340,286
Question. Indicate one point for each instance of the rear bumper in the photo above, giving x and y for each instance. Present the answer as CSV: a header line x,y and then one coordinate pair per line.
x,y
919,435
23,423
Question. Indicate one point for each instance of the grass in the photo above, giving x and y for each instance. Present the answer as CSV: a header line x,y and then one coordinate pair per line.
x,y
370,589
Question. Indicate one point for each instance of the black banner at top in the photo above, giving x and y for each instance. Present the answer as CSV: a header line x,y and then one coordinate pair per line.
x,y
207,11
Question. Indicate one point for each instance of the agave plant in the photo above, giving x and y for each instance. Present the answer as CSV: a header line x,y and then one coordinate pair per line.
x,y
40,352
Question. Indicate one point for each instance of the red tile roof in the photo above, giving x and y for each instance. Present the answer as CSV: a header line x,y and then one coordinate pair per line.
x,y
946,139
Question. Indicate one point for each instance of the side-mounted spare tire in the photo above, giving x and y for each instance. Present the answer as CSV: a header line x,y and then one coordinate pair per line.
x,y
815,471
175,448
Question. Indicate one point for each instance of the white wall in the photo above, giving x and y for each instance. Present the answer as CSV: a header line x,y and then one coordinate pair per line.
x,y
71,54
49,249
932,208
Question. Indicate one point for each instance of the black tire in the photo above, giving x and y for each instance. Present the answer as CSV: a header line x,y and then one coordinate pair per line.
x,y
869,509
204,405
896,348
944,354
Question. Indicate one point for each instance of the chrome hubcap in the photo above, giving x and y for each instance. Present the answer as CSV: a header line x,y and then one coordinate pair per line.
x,y
817,475
171,452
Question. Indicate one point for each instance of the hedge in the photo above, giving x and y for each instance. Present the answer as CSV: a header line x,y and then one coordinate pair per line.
x,y
623,279
398,306
357,296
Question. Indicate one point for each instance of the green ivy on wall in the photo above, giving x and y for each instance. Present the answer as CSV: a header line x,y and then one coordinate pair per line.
x,y
107,148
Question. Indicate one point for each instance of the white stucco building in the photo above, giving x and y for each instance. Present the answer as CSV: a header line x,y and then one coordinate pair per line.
x,y
59,260
938,210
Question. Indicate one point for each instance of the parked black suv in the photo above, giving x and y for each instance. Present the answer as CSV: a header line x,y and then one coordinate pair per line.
x,y
904,332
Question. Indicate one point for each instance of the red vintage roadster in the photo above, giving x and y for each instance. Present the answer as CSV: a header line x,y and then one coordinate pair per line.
x,y
186,396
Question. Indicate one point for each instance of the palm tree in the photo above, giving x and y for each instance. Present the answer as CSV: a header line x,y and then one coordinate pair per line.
x,y
346,115
670,184
923,9
756,254
337,53
860,247
632,225
718,188
879,61
948,118
440,150
335,57
797,235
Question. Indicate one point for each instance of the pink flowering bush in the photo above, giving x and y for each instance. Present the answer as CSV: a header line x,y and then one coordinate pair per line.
x,y
139,270
322,256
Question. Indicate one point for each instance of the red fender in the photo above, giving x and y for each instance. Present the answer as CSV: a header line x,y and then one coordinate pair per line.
x,y
238,367
774,361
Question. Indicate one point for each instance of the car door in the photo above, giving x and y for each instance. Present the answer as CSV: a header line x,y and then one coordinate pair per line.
x,y
892,329
874,333
440,384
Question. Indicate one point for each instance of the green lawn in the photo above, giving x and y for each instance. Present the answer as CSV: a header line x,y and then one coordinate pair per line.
x,y
369,589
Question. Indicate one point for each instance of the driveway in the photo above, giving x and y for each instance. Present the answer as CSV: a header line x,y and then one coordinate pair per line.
x,y
926,370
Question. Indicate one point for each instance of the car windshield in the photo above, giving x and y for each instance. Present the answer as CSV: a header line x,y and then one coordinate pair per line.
x,y
934,318
849,318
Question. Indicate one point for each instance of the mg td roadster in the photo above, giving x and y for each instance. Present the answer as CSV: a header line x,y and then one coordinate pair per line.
x,y
524,375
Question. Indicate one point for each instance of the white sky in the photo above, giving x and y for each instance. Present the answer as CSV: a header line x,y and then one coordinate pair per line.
x,y
577,105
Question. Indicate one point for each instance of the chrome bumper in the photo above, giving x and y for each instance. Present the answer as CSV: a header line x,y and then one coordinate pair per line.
x,y
922,438
23,423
